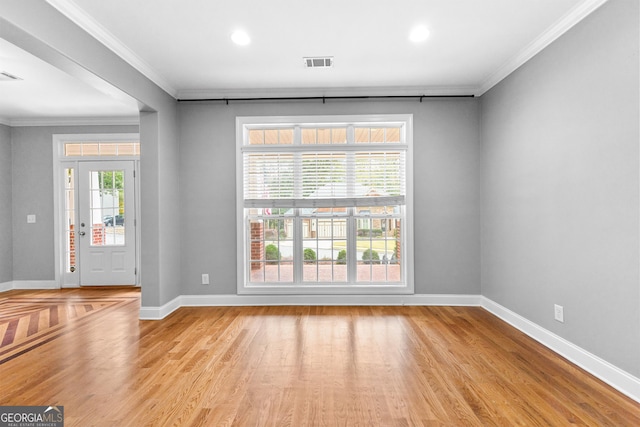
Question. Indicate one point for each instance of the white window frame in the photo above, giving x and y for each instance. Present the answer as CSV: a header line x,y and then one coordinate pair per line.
x,y
243,125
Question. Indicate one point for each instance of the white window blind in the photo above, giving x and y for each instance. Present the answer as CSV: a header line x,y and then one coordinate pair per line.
x,y
312,178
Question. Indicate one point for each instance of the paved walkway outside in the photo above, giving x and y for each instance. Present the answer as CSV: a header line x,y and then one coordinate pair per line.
x,y
326,273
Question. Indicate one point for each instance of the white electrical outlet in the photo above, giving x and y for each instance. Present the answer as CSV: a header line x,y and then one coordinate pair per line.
x,y
31,219
205,279
558,312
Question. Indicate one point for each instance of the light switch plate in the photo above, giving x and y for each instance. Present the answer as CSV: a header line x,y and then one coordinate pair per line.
x,y
31,219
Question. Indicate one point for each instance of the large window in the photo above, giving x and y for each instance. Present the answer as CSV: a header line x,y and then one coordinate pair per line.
x,y
324,204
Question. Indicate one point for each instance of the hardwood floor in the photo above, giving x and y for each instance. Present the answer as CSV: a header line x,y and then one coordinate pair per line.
x,y
28,322
293,366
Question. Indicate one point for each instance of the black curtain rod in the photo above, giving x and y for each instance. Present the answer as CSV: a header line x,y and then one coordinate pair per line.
x,y
324,98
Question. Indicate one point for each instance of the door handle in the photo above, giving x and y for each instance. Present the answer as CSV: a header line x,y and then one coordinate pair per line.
x,y
82,233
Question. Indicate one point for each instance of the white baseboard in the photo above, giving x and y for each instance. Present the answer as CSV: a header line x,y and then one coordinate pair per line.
x,y
612,375
6,286
35,284
258,300
157,313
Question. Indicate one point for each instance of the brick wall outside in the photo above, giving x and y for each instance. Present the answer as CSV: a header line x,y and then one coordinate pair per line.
x,y
398,242
72,247
97,234
257,244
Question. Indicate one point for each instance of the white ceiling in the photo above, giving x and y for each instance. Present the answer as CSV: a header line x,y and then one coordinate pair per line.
x,y
185,47
49,95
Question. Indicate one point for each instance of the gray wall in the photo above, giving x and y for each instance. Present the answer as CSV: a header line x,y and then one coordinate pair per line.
x,y
40,29
560,186
6,233
32,148
446,163
161,219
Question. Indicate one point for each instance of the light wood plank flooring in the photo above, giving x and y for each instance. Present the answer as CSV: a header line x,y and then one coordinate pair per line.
x,y
292,366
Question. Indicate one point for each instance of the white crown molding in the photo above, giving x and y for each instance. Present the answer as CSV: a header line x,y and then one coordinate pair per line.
x,y
74,121
567,22
5,121
195,94
85,21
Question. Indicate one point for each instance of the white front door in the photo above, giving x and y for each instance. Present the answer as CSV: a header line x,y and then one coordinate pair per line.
x,y
106,228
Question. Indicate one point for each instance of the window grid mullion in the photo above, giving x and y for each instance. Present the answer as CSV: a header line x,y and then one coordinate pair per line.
x,y
297,247
352,247
333,258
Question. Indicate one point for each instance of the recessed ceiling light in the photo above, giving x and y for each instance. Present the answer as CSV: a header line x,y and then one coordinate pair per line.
x,y
419,34
240,38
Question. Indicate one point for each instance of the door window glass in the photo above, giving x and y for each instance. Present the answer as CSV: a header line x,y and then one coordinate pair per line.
x,y
107,210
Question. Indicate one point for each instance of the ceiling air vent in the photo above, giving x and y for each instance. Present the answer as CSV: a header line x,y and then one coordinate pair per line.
x,y
6,77
319,62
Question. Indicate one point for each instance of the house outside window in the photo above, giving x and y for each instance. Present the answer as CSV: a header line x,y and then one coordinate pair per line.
x,y
325,204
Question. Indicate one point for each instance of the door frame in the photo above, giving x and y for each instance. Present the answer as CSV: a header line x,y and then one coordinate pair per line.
x,y
64,279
